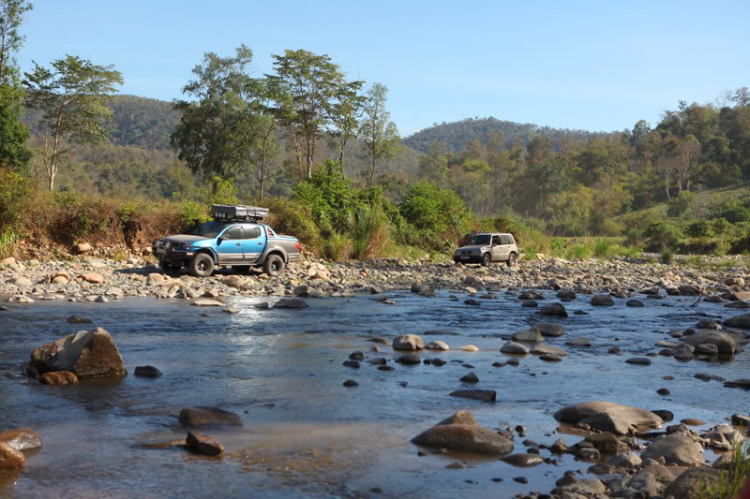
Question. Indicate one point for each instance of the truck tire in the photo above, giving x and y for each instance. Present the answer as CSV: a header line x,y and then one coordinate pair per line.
x,y
511,260
274,265
486,259
202,265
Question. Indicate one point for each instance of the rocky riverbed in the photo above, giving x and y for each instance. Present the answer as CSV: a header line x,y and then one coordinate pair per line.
x,y
573,380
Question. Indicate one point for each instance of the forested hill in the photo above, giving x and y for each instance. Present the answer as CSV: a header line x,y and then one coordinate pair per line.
x,y
136,121
458,134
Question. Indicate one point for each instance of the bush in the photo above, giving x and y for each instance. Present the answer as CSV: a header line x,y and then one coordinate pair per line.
x,y
336,246
662,235
578,251
681,205
699,228
667,255
602,248
369,233
439,215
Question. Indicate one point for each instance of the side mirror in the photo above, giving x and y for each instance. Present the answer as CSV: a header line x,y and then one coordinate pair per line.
x,y
218,241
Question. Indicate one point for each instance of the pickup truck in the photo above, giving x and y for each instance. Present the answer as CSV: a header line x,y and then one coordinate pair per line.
x,y
233,239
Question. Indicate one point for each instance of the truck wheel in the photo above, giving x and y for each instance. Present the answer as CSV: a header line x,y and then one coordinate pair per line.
x,y
486,259
202,265
511,260
274,265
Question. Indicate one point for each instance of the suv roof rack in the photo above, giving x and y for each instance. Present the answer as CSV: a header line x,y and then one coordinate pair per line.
x,y
240,212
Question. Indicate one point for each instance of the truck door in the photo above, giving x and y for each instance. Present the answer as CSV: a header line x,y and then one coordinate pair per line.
x,y
229,246
254,244
496,249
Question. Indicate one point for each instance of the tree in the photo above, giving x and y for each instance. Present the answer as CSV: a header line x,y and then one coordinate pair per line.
x,y
217,131
380,135
72,97
11,16
313,81
14,155
346,111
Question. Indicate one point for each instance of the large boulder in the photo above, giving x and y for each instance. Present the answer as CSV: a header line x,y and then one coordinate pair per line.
x,y
724,341
554,310
742,321
469,437
408,342
552,330
609,416
602,301
514,348
21,439
693,482
677,449
532,335
87,354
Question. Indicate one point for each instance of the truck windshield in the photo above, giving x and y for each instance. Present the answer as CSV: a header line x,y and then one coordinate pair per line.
x,y
208,229
480,240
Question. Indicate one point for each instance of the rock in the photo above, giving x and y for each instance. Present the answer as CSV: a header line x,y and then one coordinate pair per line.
x,y
409,359
482,395
8,261
469,348
529,304
472,301
357,356
58,378
683,352
693,483
473,281
643,484
207,302
21,439
579,342
613,350
470,378
548,350
532,335
264,305
437,345
88,354
634,303
609,416
663,391
640,361
677,449
625,460
554,310
203,444
22,281
559,447
707,349
354,364
10,458
604,442
232,310
76,319
588,453
566,294
408,342
514,348
83,247
93,278
738,383
147,372
724,341
692,422
208,416
523,460
350,383
665,415
291,303
465,438
741,420
741,321
549,330
689,290
602,301
581,489
463,417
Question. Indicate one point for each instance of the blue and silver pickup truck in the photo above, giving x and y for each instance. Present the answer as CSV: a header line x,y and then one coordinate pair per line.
x,y
234,238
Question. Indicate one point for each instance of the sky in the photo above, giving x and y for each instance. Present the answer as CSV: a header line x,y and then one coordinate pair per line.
x,y
592,65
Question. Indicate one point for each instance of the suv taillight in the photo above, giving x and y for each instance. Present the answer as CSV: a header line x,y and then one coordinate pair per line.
x,y
299,248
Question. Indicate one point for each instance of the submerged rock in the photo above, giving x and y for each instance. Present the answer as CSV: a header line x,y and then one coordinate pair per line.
x,y
88,354
602,301
201,443
724,342
464,438
208,416
554,310
10,458
291,303
483,395
408,342
147,372
21,439
58,378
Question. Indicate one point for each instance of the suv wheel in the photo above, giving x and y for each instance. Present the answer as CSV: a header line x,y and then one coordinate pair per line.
x,y
202,265
511,259
274,265
486,259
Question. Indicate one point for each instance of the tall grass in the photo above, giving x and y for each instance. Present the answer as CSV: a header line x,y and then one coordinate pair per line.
x,y
336,247
8,243
369,233
731,479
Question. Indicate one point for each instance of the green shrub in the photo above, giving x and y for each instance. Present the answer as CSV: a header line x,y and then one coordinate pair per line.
x,y
662,235
439,215
336,246
602,248
699,228
578,251
557,246
667,255
680,205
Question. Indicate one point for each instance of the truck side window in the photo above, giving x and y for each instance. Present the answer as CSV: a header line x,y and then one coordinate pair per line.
x,y
506,239
496,240
233,233
252,232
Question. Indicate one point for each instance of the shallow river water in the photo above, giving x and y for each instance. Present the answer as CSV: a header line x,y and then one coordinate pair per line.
x,y
305,435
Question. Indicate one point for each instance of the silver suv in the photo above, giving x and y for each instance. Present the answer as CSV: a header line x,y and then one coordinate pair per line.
x,y
487,247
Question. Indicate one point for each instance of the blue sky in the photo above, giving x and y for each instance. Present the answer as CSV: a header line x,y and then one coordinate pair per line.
x,y
594,65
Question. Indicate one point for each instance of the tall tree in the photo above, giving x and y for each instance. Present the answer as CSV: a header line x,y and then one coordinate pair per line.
x,y
72,97
380,135
346,111
14,154
217,131
11,16
313,80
